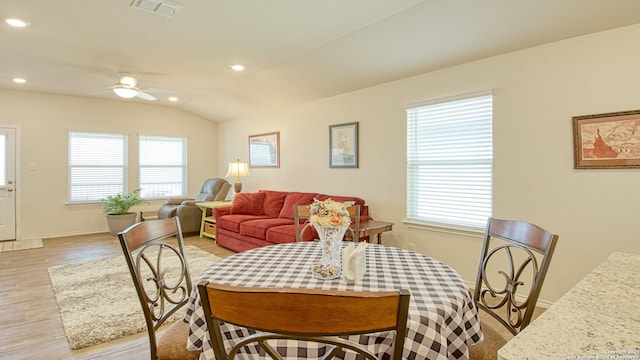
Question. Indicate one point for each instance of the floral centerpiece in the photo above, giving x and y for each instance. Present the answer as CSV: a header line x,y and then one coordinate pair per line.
x,y
330,213
330,219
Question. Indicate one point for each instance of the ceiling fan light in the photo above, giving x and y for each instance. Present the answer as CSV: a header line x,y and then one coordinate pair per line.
x,y
125,92
17,23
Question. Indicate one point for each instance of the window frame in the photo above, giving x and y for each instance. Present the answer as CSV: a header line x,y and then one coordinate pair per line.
x,y
413,219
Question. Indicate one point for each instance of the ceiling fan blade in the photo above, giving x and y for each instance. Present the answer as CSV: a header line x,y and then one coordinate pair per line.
x,y
160,90
144,95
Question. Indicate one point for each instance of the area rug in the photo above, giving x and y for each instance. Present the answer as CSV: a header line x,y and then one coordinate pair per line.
x,y
14,245
98,301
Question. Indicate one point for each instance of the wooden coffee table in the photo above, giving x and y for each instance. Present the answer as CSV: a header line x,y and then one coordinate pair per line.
x,y
374,227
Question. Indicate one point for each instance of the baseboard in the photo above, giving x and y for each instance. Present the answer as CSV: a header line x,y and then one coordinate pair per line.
x,y
48,236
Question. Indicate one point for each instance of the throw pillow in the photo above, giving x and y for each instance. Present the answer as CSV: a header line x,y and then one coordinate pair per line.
x,y
273,201
248,204
295,198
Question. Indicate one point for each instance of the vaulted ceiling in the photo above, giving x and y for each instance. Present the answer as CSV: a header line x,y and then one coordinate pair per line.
x,y
293,50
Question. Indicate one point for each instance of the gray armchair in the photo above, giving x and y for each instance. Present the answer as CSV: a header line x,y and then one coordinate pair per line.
x,y
185,208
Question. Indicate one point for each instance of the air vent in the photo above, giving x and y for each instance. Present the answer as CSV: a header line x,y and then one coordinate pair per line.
x,y
158,7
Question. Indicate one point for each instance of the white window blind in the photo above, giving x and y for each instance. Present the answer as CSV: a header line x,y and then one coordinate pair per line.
x,y
163,166
97,165
449,162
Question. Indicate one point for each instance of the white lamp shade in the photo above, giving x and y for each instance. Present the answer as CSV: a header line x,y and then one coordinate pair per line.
x,y
238,169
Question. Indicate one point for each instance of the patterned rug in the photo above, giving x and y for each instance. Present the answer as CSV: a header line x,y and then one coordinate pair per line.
x,y
13,245
98,302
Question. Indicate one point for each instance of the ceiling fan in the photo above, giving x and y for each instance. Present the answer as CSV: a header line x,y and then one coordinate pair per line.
x,y
127,89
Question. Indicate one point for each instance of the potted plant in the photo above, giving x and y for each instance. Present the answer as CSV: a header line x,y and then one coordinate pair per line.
x,y
116,207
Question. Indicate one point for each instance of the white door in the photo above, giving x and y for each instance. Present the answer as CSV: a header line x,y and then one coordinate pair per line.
x,y
7,184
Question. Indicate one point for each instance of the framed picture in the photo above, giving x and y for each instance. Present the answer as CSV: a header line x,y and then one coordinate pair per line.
x,y
264,150
343,145
609,140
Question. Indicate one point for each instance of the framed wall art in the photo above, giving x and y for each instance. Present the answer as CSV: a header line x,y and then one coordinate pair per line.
x,y
343,145
609,140
264,150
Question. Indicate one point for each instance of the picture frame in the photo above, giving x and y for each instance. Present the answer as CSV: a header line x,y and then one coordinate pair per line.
x,y
606,141
264,150
343,145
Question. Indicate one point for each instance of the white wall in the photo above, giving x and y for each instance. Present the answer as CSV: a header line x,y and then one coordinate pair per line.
x,y
44,121
536,92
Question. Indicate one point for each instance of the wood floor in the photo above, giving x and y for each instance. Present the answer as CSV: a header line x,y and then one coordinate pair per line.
x,y
30,325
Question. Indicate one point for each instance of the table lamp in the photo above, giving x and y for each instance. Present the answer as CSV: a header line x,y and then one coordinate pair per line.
x,y
238,169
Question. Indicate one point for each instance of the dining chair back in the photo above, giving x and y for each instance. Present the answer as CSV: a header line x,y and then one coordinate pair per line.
x,y
514,260
301,214
317,316
354,228
155,255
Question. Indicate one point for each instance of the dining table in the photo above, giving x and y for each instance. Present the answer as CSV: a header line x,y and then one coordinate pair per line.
x,y
442,321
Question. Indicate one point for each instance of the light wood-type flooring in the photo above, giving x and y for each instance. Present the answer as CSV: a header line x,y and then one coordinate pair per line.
x,y
30,325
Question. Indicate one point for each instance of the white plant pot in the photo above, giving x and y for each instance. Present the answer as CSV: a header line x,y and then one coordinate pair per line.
x,y
118,223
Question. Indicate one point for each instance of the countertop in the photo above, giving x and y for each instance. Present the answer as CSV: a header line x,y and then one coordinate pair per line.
x,y
599,318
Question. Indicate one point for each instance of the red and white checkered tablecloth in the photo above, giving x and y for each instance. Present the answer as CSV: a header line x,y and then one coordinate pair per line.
x,y
442,321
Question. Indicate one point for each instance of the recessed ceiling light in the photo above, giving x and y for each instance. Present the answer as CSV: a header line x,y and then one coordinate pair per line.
x,y
19,80
17,22
173,99
237,67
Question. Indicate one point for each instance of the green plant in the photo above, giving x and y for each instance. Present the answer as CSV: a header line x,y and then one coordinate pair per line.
x,y
120,204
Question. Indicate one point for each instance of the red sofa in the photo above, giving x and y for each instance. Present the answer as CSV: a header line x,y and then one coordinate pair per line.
x,y
266,218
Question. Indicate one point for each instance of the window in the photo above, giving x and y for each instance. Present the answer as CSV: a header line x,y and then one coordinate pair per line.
x,y
449,163
163,166
97,165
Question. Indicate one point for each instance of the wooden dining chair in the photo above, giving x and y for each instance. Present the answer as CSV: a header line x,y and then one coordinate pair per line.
x,y
154,251
317,316
514,260
301,215
354,228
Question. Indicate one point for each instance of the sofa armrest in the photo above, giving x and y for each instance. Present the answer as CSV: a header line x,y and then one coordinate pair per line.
x,y
190,217
189,202
220,211
176,200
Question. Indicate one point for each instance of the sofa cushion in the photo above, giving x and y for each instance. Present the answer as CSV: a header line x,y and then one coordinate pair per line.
x,y
248,204
287,233
258,228
295,198
236,242
273,201
232,222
